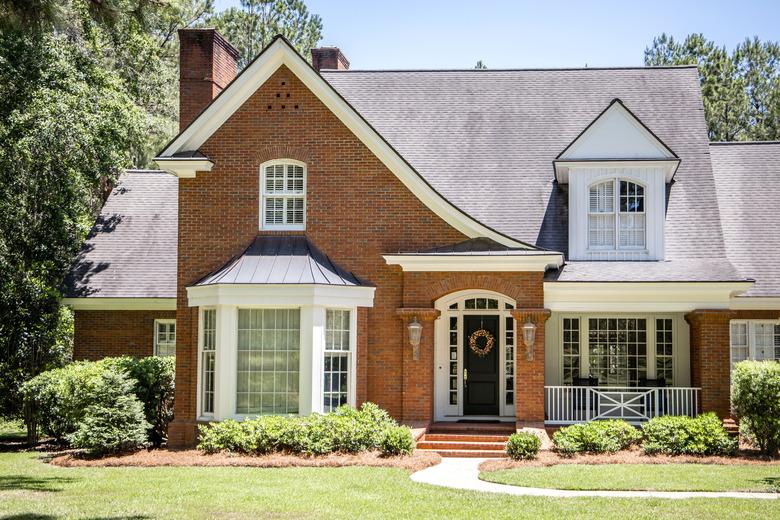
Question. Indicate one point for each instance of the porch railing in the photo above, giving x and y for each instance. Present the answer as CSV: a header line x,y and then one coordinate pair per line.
x,y
573,404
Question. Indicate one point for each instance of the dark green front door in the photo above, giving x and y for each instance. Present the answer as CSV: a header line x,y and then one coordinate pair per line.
x,y
480,385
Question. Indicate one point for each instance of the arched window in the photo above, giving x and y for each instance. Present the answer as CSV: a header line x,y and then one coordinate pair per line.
x,y
616,218
283,195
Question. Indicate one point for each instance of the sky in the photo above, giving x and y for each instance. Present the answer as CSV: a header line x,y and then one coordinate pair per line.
x,y
402,34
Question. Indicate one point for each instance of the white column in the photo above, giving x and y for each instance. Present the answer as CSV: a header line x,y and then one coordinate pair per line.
x,y
225,383
312,363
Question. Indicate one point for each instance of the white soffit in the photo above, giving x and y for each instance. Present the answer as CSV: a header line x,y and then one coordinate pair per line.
x,y
640,296
473,263
279,53
184,168
120,304
284,295
755,303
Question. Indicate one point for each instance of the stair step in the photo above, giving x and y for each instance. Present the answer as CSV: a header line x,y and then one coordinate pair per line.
x,y
471,453
478,437
460,445
455,430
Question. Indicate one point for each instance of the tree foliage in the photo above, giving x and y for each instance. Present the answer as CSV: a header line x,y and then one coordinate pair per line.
x,y
253,26
741,89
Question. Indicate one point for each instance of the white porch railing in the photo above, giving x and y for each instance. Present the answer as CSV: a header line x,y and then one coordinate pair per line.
x,y
574,404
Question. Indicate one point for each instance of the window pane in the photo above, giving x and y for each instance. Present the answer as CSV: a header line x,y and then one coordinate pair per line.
x,y
767,341
602,197
267,369
739,342
284,195
664,359
336,375
571,350
208,360
632,197
601,230
618,350
165,339
632,230
509,360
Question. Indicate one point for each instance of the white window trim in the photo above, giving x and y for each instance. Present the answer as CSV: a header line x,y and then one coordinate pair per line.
x,y
263,195
165,321
751,336
199,379
351,356
616,214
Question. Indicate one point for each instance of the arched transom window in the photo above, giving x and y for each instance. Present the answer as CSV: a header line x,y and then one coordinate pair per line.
x,y
283,195
616,217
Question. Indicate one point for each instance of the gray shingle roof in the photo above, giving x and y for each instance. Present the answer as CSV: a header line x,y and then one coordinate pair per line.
x,y
282,260
678,270
131,250
486,140
747,176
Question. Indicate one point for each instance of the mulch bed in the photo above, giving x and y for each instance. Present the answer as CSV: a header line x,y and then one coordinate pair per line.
x,y
633,455
163,457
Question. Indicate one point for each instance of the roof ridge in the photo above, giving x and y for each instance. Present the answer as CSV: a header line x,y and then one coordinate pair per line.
x,y
725,143
519,69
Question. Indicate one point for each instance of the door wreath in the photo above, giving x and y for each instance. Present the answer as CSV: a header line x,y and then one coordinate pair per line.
x,y
485,349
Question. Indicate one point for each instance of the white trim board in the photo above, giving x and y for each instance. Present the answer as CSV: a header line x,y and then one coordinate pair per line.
x,y
279,53
281,295
755,303
472,263
120,304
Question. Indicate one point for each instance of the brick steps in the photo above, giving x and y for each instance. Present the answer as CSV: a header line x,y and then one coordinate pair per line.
x,y
464,437
426,444
731,426
485,440
487,454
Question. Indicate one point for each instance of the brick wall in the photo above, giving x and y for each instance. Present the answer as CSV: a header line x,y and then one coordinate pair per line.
x,y
99,334
357,210
711,354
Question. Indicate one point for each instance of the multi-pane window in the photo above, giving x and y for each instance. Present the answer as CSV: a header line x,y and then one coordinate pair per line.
x,y
164,337
616,219
571,350
664,358
480,303
284,196
338,359
208,360
754,340
453,361
617,350
268,361
509,361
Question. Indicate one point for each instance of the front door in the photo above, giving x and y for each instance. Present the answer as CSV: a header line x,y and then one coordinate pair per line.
x,y
480,362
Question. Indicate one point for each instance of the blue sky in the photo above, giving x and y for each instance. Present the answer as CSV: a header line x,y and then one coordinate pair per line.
x,y
506,34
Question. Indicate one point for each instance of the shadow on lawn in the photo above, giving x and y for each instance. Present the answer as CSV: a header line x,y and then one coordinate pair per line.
x,y
36,516
773,482
25,483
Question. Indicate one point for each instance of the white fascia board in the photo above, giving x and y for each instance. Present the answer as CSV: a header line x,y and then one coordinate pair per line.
x,y
120,304
755,303
281,295
184,168
563,167
640,296
278,54
473,263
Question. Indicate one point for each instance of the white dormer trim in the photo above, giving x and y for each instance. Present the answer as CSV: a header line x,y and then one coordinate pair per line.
x,y
184,168
279,53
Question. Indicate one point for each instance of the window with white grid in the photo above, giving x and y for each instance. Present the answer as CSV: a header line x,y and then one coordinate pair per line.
x,y
740,348
268,361
767,341
616,218
664,350
165,338
338,359
208,360
756,340
283,194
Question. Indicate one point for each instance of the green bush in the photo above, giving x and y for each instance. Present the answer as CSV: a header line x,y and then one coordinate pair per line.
x,y
523,445
596,437
114,421
682,435
396,440
345,430
755,398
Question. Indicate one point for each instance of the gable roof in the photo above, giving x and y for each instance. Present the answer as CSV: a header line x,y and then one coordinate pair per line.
x,y
282,260
747,177
132,248
280,52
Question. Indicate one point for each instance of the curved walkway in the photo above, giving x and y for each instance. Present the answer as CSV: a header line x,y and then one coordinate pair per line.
x,y
464,474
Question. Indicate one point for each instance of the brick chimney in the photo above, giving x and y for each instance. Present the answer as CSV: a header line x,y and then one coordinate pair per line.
x,y
207,63
328,58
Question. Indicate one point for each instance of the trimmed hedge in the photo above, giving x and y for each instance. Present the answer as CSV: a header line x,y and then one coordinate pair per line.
x,y
755,397
596,437
345,430
682,435
523,445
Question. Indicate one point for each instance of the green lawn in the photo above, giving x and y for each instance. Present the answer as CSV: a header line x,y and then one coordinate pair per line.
x,y
31,489
12,431
656,477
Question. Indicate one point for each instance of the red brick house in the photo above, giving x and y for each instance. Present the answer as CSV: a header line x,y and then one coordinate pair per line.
x,y
515,245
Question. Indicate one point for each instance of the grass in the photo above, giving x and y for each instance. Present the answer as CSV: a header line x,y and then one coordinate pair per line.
x,y
651,477
12,431
32,489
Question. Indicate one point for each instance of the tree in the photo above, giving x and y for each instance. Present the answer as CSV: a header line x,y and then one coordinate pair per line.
x,y
253,26
740,91
480,65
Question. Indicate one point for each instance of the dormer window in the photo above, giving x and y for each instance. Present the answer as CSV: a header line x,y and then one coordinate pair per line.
x,y
616,218
283,195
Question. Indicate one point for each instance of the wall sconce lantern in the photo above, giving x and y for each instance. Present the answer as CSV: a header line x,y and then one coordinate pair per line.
x,y
415,333
529,339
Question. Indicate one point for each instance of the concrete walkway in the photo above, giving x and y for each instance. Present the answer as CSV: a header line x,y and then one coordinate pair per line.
x,y
464,474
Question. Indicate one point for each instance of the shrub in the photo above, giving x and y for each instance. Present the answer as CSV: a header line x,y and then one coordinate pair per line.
x,y
115,420
523,445
596,437
396,440
755,398
682,435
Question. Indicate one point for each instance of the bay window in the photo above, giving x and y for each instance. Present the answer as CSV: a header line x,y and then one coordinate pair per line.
x,y
208,360
338,359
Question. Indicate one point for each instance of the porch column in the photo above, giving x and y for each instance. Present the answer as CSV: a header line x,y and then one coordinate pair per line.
x,y
711,358
529,373
417,380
